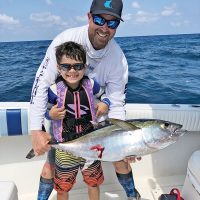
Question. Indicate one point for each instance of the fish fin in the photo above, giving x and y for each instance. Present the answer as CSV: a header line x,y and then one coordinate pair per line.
x,y
99,150
98,125
31,154
87,164
94,124
123,124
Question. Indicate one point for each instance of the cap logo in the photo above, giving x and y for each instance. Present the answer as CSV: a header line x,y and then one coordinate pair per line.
x,y
107,4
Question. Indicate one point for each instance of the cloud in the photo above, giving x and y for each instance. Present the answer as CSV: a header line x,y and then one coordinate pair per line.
x,y
146,17
135,4
175,24
127,17
81,18
49,2
178,14
48,19
180,23
8,20
44,17
168,11
149,17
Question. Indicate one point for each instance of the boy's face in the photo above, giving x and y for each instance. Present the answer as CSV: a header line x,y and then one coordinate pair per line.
x,y
72,71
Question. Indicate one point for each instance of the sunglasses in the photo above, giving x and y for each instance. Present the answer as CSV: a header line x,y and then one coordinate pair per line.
x,y
76,66
100,21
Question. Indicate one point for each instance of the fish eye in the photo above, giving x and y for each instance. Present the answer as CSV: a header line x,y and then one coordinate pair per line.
x,y
165,125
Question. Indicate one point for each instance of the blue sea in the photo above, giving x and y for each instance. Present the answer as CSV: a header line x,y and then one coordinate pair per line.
x,y
162,69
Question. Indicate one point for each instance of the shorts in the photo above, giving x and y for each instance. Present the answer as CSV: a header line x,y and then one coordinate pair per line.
x,y
51,156
66,170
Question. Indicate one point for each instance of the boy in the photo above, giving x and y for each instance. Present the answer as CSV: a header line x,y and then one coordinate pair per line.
x,y
72,116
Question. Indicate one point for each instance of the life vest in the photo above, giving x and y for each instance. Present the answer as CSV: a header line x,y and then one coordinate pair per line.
x,y
78,120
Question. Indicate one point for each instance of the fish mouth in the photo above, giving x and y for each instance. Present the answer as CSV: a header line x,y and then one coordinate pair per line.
x,y
176,127
181,132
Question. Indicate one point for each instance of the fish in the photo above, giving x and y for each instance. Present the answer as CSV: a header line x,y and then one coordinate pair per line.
x,y
120,139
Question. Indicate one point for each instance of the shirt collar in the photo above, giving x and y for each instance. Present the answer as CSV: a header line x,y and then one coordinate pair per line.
x,y
95,54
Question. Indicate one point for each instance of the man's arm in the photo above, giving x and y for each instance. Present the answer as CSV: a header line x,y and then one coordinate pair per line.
x,y
45,76
116,89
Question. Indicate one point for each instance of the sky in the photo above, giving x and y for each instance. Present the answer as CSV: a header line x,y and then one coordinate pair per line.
x,y
30,20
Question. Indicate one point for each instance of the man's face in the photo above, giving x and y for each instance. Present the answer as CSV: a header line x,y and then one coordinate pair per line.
x,y
99,36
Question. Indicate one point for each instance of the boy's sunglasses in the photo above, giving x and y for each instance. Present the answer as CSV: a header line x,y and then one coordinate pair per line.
x,y
76,66
100,21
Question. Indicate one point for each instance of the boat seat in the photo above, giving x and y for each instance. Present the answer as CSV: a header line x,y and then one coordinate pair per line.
x,y
14,122
8,190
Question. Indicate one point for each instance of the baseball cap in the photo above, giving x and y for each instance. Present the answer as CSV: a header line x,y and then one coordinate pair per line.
x,y
109,7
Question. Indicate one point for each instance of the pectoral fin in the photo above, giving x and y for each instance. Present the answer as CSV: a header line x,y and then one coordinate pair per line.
x,y
99,149
87,164
123,124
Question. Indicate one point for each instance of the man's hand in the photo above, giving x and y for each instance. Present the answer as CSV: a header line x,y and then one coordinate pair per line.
x,y
40,141
131,159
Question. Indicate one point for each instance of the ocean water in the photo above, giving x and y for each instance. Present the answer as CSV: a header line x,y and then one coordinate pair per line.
x,y
162,69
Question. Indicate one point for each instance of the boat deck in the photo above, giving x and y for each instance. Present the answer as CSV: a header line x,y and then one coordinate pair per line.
x,y
115,192
157,173
149,188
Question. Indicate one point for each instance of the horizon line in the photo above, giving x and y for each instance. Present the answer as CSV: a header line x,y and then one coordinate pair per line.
x,y
153,35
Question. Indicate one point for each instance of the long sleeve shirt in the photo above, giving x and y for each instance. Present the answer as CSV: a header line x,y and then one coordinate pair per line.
x,y
108,66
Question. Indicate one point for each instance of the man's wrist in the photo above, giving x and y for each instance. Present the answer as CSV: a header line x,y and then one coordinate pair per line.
x,y
33,132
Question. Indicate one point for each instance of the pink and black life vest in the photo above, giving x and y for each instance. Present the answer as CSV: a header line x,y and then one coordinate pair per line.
x,y
80,108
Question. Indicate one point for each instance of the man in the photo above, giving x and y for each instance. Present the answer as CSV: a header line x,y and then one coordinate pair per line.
x,y
106,63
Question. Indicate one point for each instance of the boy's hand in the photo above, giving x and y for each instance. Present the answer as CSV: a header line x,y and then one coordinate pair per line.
x,y
57,113
102,109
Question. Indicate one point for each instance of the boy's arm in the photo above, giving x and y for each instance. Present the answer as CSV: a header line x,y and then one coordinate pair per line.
x,y
55,113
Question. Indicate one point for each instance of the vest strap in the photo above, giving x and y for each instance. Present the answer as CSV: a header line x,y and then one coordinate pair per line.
x,y
57,124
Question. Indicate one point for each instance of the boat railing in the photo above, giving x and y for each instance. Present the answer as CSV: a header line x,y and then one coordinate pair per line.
x,y
14,116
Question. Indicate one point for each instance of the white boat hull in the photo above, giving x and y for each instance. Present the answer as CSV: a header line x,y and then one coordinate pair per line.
x,y
156,173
